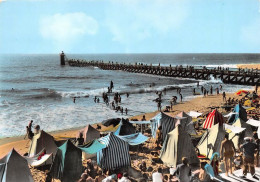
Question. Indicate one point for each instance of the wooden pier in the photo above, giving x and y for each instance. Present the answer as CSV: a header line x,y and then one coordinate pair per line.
x,y
237,76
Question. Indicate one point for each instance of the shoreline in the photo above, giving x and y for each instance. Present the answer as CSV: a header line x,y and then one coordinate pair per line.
x,y
200,104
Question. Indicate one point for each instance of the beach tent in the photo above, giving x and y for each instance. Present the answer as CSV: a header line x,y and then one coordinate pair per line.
x,y
168,124
212,139
41,141
177,145
240,112
213,118
67,164
115,155
126,128
185,121
239,138
13,167
89,133
113,121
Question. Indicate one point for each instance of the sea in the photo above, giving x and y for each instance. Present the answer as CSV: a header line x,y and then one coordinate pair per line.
x,y
36,87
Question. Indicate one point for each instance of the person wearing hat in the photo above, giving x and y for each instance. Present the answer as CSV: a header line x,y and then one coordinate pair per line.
x,y
249,148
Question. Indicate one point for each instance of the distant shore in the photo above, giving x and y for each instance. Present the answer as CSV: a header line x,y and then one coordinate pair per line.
x,y
249,66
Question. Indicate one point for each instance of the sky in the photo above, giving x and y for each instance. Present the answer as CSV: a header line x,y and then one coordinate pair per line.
x,y
129,26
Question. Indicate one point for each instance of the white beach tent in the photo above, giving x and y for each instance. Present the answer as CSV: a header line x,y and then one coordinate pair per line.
x,y
211,140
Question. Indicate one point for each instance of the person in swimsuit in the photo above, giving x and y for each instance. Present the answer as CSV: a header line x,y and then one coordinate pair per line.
x,y
227,151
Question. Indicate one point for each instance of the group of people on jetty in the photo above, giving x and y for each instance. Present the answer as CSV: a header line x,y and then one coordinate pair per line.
x,y
209,147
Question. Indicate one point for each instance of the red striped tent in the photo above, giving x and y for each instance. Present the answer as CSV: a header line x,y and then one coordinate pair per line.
x,y
213,118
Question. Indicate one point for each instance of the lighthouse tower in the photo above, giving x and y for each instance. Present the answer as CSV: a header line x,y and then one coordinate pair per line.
x,y
62,58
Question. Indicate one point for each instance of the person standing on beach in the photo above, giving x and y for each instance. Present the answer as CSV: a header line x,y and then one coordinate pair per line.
x,y
181,97
29,133
211,90
30,125
217,91
183,171
249,148
224,96
227,152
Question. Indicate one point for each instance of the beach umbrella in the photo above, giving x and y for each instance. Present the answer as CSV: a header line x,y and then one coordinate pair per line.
x,y
239,92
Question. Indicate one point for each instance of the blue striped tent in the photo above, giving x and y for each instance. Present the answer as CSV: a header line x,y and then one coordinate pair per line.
x,y
115,155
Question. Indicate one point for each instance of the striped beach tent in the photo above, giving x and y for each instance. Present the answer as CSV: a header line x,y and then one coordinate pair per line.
x,y
213,118
115,155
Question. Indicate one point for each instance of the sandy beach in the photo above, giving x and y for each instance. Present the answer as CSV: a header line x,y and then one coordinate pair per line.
x,y
200,104
249,66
